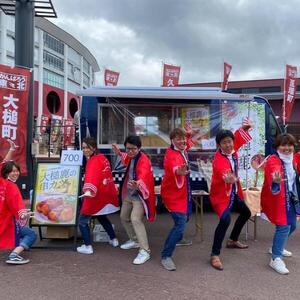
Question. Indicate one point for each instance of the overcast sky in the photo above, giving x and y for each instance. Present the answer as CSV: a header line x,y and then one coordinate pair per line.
x,y
134,37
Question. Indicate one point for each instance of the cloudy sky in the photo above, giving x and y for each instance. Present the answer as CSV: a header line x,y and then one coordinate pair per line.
x,y
134,37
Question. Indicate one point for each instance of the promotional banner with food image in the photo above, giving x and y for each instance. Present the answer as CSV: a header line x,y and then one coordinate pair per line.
x,y
56,194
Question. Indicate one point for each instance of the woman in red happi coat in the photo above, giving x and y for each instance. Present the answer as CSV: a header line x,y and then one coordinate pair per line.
x,y
100,195
280,197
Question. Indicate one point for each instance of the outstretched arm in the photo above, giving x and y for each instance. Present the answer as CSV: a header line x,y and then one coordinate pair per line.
x,y
242,136
121,154
11,150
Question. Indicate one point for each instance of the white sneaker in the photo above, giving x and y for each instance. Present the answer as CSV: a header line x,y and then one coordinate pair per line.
x,y
130,244
142,257
114,242
285,252
85,249
279,266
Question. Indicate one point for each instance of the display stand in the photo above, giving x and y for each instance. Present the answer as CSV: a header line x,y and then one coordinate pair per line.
x,y
55,202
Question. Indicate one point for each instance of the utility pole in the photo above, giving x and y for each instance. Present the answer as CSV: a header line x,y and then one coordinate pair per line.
x,y
25,11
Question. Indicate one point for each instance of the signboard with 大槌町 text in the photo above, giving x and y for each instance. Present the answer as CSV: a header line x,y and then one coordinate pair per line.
x,y
55,197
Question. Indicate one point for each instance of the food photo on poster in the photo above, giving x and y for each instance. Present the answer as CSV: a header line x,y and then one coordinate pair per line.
x,y
56,194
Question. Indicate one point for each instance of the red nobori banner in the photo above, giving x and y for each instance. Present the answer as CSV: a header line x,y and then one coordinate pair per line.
x,y
226,72
170,75
111,77
68,132
289,91
14,92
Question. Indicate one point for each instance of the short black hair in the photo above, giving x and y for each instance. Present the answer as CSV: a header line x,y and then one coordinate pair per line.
x,y
8,167
134,140
222,134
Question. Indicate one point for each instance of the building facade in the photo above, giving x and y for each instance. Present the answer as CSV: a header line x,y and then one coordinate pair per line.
x,y
62,65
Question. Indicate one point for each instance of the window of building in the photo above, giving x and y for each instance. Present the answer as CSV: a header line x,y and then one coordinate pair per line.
x,y
36,35
53,61
73,107
86,66
74,57
74,72
73,86
255,90
53,43
270,89
36,55
10,22
53,102
235,91
86,80
10,61
252,90
10,44
53,79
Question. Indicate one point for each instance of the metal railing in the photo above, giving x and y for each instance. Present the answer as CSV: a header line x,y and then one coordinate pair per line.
x,y
49,140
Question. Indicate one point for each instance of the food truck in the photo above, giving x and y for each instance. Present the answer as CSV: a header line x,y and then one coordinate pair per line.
x,y
111,113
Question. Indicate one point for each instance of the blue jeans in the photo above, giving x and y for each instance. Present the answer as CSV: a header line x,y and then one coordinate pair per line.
x,y
281,236
28,237
175,234
85,229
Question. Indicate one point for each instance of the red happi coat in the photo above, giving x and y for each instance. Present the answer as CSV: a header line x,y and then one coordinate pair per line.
x,y
174,188
297,161
11,204
144,176
219,190
274,205
98,179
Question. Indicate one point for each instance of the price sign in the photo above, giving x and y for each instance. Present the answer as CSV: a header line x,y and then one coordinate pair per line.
x,y
71,157
209,144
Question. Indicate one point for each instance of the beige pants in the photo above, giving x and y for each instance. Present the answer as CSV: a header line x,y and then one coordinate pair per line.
x,y
132,214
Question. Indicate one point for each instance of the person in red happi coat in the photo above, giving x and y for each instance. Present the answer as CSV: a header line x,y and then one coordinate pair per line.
x,y
280,197
226,191
100,195
176,191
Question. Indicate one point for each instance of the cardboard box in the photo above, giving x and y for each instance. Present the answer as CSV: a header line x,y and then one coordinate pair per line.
x,y
100,235
58,232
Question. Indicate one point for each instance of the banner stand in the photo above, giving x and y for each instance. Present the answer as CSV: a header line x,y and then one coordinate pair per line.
x,y
55,203
73,240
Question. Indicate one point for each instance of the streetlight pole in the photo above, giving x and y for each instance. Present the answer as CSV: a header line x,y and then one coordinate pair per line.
x,y
24,52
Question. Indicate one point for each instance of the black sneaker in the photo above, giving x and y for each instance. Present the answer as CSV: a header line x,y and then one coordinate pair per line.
x,y
184,242
17,260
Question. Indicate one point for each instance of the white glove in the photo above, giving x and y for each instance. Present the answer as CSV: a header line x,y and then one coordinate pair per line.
x,y
86,194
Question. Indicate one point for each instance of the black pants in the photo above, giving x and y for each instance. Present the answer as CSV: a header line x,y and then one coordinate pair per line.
x,y
222,227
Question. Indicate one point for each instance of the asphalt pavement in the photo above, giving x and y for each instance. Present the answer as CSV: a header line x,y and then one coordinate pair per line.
x,y
60,273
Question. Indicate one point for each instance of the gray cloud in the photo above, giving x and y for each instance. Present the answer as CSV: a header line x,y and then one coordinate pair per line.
x,y
134,36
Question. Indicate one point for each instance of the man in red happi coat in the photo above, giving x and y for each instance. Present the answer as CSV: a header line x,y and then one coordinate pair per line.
x,y
226,190
176,192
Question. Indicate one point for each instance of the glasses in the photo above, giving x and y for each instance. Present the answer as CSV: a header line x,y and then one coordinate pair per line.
x,y
132,149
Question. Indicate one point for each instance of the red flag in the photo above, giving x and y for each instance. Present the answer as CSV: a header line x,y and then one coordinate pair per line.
x,y
226,72
111,77
14,92
68,132
170,75
289,91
